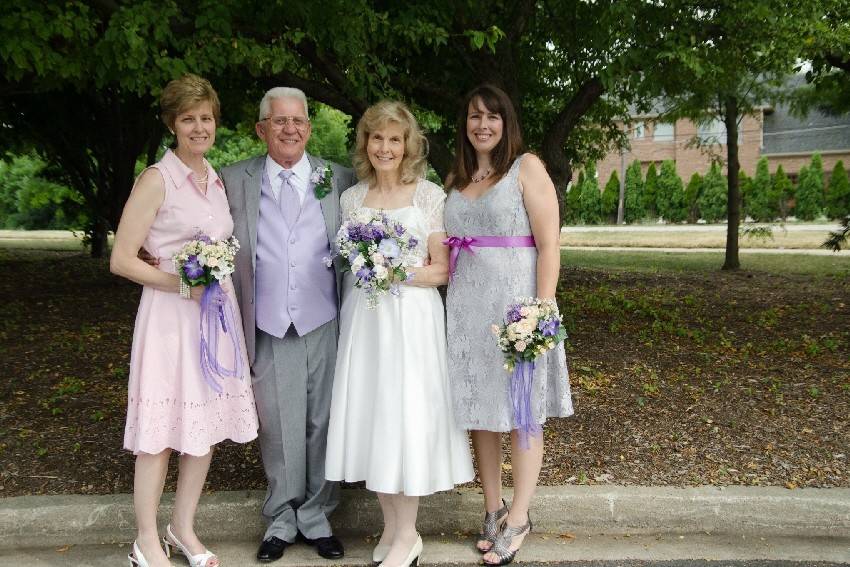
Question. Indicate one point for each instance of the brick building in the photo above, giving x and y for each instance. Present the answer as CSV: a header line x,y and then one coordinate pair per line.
x,y
773,133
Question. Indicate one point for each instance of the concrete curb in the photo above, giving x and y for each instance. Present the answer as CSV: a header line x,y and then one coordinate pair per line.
x,y
38,521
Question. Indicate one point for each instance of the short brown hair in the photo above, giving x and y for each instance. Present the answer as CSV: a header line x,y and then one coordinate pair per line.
x,y
181,94
505,152
413,164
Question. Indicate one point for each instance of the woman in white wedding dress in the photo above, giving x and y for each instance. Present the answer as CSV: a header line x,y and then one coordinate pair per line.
x,y
391,418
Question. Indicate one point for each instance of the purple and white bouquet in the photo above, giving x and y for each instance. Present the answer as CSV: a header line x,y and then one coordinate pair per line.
x,y
378,251
532,327
204,261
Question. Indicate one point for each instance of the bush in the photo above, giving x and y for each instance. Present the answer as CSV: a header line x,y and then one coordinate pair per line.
x,y
591,198
670,194
762,202
784,191
650,188
692,194
634,210
712,202
810,198
611,198
838,194
31,202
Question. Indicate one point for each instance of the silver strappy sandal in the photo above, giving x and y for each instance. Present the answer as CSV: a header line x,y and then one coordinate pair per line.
x,y
502,545
492,524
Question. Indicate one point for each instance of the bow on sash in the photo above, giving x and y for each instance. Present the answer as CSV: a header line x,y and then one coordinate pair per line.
x,y
458,243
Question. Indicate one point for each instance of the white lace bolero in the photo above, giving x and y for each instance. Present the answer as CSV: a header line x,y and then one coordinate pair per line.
x,y
427,197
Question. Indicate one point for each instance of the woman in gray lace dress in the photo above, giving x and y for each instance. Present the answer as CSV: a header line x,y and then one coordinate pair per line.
x,y
497,191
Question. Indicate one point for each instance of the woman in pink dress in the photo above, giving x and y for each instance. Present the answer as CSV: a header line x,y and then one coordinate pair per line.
x,y
170,406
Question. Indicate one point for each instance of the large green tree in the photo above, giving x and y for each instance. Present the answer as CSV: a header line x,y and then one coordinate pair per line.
x,y
739,53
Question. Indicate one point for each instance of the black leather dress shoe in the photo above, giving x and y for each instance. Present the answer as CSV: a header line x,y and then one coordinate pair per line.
x,y
271,549
328,547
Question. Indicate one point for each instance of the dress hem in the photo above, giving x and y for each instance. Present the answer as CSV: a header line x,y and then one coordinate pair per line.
x,y
373,488
478,426
193,451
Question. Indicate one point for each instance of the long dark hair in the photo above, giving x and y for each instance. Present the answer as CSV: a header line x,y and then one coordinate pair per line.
x,y
505,152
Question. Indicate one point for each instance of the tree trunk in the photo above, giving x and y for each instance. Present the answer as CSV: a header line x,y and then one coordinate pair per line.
x,y
730,117
97,239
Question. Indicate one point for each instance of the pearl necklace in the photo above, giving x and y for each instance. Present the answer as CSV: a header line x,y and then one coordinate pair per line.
x,y
482,177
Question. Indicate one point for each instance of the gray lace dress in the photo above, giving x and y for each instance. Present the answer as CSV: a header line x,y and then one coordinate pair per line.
x,y
484,284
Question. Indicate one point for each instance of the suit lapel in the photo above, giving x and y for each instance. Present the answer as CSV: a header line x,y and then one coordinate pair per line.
x,y
252,187
329,205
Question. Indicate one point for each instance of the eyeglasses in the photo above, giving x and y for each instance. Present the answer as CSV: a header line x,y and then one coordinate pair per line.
x,y
279,122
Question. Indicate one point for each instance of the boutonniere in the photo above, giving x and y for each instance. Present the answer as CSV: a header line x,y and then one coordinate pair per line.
x,y
321,180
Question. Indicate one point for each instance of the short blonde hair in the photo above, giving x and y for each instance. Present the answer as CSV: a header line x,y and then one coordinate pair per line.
x,y
184,93
377,116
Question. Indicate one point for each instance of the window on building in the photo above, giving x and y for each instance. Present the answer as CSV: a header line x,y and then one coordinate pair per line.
x,y
639,130
663,132
712,132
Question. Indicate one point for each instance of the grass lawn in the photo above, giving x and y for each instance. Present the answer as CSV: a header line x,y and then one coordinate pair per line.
x,y
670,237
658,262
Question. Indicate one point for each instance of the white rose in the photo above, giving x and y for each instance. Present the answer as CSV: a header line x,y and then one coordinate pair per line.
x,y
381,272
358,263
520,346
212,262
378,259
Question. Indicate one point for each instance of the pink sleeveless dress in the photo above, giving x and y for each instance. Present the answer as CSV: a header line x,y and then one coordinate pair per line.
x,y
169,405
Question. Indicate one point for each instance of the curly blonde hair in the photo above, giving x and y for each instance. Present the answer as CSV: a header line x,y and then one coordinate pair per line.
x,y
184,93
377,116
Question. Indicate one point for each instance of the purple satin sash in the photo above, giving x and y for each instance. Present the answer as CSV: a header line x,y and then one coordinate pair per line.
x,y
458,243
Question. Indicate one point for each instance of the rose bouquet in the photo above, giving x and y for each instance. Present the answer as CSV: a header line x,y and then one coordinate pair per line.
x,y
204,261
532,327
378,251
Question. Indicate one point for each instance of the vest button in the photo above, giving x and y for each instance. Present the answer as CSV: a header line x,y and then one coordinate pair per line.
x,y
292,264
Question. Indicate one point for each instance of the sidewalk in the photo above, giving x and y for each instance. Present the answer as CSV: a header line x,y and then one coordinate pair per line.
x,y
570,522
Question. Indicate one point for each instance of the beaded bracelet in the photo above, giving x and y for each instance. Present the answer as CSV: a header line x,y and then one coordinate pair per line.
x,y
185,290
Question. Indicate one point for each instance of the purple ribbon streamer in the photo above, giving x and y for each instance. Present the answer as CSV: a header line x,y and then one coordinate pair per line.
x,y
458,243
216,310
521,382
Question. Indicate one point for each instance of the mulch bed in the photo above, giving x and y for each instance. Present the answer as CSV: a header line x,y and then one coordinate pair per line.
x,y
678,379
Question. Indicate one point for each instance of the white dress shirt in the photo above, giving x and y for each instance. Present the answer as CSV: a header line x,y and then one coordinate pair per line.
x,y
300,177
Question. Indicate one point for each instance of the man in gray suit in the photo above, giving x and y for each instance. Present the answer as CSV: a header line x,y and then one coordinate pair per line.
x,y
285,208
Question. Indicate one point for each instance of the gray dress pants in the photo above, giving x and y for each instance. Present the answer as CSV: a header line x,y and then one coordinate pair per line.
x,y
293,381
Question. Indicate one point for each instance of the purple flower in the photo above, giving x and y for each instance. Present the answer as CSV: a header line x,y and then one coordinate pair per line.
x,y
365,274
514,314
203,238
192,268
412,242
399,229
548,328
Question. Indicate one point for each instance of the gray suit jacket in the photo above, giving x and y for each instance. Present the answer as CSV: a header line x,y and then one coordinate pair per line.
x,y
243,183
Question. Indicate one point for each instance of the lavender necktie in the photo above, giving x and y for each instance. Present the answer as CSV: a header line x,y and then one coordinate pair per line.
x,y
289,200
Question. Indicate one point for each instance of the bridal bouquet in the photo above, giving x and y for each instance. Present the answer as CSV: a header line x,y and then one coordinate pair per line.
x,y
204,261
377,250
532,327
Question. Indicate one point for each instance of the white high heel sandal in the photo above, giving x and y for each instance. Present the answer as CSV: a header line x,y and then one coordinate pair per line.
x,y
136,558
199,560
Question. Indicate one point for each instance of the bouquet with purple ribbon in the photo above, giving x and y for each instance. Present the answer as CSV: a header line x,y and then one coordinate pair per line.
x,y
378,251
204,261
532,327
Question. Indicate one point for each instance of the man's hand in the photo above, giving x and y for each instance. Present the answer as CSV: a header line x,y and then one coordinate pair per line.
x,y
145,257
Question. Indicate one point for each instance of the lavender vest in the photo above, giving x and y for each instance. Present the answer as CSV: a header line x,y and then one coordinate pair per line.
x,y
293,284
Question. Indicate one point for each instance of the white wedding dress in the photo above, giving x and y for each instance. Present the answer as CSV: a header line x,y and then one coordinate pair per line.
x,y
391,420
